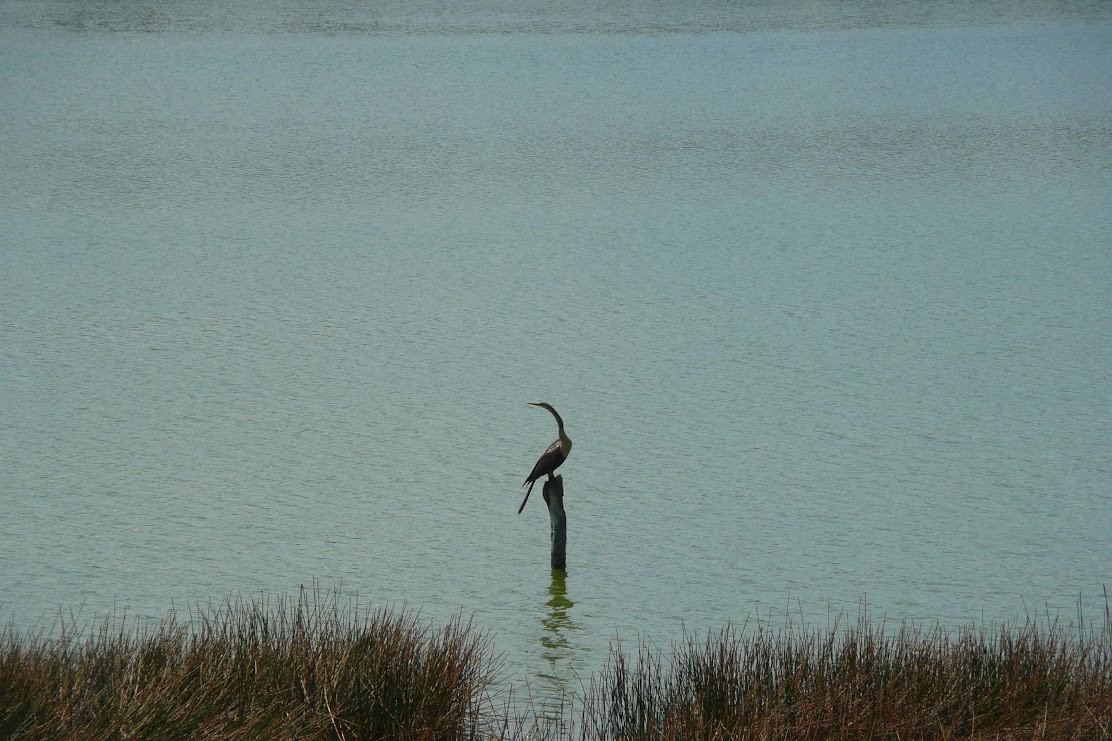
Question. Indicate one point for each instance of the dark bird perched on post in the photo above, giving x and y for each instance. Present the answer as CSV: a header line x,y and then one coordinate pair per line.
x,y
551,459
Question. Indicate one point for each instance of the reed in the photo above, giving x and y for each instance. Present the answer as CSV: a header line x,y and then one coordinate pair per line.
x,y
316,667
1018,681
313,667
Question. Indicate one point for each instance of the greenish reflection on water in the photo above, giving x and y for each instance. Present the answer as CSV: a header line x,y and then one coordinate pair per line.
x,y
557,641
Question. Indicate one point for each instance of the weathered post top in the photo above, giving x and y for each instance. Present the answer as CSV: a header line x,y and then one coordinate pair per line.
x,y
554,498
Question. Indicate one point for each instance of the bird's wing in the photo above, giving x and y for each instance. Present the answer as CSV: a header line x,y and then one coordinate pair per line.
x,y
549,461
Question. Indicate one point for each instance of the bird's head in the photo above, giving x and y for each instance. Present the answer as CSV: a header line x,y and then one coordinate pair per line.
x,y
545,405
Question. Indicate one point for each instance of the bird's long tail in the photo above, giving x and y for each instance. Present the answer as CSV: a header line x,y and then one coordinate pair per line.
x,y
527,493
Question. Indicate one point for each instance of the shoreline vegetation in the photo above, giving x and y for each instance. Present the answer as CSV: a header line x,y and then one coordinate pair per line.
x,y
316,667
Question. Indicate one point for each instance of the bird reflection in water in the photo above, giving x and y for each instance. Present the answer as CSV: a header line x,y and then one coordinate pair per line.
x,y
558,649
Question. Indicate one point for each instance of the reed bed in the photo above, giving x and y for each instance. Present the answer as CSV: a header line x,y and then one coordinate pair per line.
x,y
1018,681
306,668
315,667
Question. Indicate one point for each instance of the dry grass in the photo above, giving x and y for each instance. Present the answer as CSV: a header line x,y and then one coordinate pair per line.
x,y
294,669
1016,682
312,668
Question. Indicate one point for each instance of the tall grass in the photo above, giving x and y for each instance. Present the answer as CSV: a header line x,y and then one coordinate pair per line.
x,y
1016,681
315,668
305,668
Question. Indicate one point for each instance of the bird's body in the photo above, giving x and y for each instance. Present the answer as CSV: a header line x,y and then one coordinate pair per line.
x,y
550,459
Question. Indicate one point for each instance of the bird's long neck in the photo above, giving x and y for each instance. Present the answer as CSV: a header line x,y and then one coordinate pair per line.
x,y
565,441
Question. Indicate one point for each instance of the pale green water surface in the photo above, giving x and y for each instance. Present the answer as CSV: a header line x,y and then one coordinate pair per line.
x,y
822,292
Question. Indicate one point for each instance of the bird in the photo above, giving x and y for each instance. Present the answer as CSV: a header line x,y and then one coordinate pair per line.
x,y
550,459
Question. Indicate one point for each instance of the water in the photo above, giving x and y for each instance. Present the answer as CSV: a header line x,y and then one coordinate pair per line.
x,y
822,293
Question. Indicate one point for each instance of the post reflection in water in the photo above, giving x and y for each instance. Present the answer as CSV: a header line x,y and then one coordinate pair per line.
x,y
555,640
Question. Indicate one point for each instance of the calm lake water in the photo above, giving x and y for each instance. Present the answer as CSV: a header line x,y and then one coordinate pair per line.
x,y
823,293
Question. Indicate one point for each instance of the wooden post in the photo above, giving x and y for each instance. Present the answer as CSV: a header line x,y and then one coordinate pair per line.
x,y
554,498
